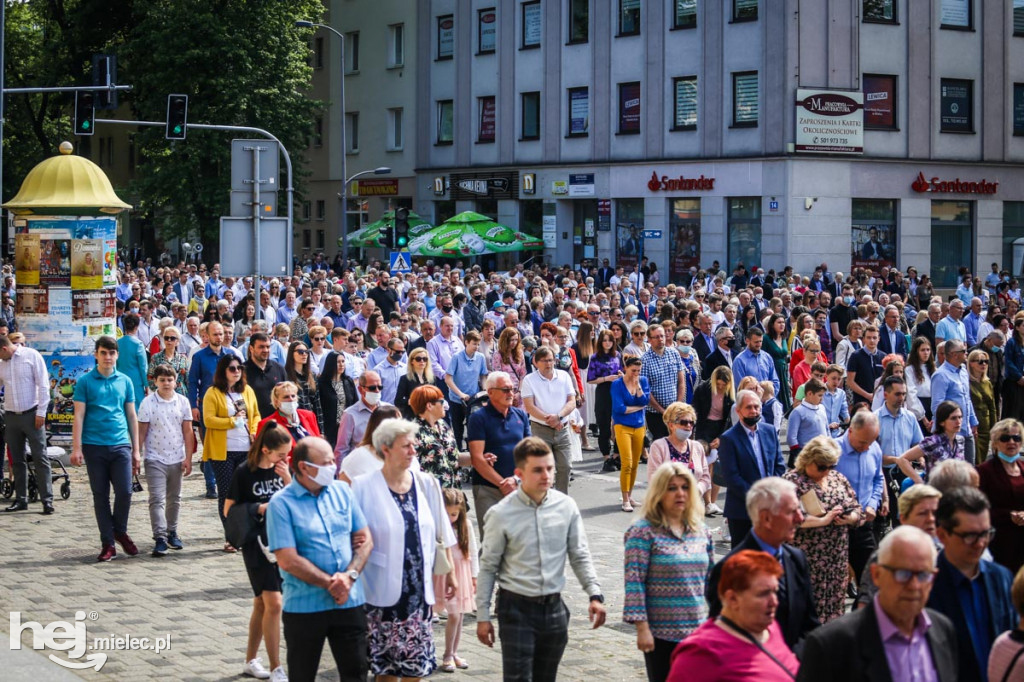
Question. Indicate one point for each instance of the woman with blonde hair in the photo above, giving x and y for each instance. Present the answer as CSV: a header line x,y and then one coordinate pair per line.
x,y
419,372
680,446
832,507
983,398
667,558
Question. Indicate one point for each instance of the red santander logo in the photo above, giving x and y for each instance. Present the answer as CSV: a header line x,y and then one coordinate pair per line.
x,y
665,183
954,186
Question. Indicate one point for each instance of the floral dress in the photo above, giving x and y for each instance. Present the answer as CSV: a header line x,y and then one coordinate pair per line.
x,y
827,548
401,639
179,363
437,452
938,448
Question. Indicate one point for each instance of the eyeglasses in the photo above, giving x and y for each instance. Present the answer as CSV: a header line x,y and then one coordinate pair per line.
x,y
503,389
975,538
374,388
235,368
319,338
302,351
170,338
1006,438
903,575
638,333
825,467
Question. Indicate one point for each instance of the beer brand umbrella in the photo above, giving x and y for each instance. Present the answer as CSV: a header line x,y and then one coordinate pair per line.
x,y
471,234
372,235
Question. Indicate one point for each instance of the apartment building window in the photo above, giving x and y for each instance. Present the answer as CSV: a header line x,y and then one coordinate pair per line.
x,y
957,15
1018,108
880,102
684,14
880,11
531,115
744,10
579,21
629,108
485,133
744,231
685,92
445,37
1018,17
307,210
321,209
952,240
532,14
396,45
445,117
352,132
1013,237
306,239
395,138
579,112
318,131
629,17
744,99
318,52
321,239
956,106
486,30
352,52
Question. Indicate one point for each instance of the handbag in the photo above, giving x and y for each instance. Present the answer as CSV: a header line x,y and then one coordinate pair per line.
x,y
441,564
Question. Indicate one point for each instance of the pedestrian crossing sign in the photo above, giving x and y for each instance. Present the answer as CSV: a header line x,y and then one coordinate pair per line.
x,y
400,262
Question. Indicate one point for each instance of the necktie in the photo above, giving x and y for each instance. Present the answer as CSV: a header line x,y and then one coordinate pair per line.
x,y
783,588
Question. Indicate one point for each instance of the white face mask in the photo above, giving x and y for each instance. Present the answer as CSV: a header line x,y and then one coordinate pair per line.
x,y
288,407
371,398
683,434
324,473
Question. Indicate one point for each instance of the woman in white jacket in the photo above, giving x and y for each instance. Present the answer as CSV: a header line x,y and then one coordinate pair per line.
x,y
407,520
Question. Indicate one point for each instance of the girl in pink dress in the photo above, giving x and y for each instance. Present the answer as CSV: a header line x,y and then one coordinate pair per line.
x,y
466,568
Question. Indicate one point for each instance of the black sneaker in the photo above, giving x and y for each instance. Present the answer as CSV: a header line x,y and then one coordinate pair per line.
x,y
160,549
174,542
608,466
618,464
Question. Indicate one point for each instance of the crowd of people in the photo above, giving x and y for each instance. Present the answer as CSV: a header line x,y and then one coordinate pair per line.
x,y
866,432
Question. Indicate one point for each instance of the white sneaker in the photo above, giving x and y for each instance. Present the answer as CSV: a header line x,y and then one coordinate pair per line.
x,y
278,674
254,668
712,510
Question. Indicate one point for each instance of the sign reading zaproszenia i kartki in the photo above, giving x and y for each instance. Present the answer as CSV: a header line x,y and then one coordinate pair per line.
x,y
829,121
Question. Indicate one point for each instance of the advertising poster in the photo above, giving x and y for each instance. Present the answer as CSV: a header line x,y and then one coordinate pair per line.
x,y
629,108
64,371
487,116
55,332
955,105
579,111
55,261
26,262
874,247
829,121
87,263
32,302
879,102
532,15
684,235
94,308
445,37
488,30
110,262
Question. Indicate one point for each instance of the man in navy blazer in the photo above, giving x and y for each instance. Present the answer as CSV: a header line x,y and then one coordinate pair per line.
x,y
723,354
972,592
890,333
747,453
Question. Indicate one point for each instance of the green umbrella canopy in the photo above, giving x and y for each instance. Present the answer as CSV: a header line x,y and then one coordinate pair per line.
x,y
471,234
371,235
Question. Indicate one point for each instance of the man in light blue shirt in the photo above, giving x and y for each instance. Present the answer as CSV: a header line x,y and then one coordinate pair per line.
x,y
860,461
951,382
392,369
952,326
465,375
898,431
320,564
752,362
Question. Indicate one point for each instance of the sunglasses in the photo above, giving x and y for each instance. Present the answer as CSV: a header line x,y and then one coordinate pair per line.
x,y
825,467
1006,438
319,338
375,388
235,368
302,351
981,362
170,338
419,359
503,389
686,422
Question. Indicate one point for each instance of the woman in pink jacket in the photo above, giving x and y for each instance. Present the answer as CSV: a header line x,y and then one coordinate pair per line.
x,y
679,446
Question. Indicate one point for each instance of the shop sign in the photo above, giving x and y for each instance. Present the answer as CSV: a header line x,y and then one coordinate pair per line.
x,y
550,225
666,184
954,186
497,185
559,187
375,188
440,185
829,121
529,183
581,185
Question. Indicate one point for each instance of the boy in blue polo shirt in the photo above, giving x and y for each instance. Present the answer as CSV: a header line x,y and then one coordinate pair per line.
x,y
105,435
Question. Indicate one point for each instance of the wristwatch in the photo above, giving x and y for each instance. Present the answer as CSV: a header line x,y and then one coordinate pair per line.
x,y
353,574
597,597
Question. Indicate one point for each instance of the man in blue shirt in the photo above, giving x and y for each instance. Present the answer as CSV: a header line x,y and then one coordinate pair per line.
x,y
464,376
898,431
860,462
105,436
753,363
321,563
951,326
951,382
200,378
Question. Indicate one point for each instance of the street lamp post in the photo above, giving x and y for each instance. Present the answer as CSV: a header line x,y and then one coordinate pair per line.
x,y
343,195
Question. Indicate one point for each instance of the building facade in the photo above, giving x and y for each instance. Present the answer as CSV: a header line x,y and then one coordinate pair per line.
x,y
672,129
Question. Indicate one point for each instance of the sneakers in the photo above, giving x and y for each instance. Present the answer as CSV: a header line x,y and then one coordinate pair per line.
x,y
254,668
160,549
126,543
107,553
608,466
712,510
278,674
174,542
211,494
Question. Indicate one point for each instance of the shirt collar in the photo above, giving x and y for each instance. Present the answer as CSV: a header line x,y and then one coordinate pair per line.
x,y
527,500
888,629
774,551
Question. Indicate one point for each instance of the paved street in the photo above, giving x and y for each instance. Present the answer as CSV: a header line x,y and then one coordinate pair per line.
x,y
200,597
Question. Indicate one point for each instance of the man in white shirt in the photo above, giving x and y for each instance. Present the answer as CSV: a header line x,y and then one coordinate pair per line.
x,y
26,386
549,398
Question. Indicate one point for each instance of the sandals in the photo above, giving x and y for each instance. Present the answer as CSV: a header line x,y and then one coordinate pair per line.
x,y
447,665
460,663
627,507
229,548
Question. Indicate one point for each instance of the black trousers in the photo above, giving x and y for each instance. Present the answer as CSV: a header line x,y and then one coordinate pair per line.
x,y
603,414
738,530
862,546
656,426
533,637
457,413
343,629
659,661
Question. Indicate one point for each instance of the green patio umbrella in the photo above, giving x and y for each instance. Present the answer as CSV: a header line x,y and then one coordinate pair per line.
x,y
471,234
371,235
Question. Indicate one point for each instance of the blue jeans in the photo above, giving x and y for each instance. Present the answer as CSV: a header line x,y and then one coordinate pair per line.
x,y
110,465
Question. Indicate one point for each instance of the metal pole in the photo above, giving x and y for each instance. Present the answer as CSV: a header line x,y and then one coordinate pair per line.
x,y
256,225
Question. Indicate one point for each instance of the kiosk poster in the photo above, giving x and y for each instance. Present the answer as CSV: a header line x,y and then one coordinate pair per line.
x,y
64,371
874,247
55,331
32,302
630,237
26,262
55,261
94,308
87,263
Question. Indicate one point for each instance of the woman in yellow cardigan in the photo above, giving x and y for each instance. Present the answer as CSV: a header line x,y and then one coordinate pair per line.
x,y
231,416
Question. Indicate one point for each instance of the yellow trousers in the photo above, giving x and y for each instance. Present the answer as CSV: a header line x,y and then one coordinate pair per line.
x,y
630,441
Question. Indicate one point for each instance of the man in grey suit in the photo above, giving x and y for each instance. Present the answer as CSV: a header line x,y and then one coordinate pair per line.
x,y
862,646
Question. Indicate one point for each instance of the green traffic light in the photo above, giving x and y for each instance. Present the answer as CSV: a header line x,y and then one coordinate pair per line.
x,y
177,130
85,125
402,241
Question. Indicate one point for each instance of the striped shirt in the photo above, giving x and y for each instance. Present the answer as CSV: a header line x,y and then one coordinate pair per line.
x,y
665,577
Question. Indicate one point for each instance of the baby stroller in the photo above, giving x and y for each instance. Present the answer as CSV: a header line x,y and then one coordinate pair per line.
x,y
58,472
475,403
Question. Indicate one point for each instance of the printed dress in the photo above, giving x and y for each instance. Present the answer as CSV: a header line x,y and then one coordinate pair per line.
x,y
437,453
827,548
401,637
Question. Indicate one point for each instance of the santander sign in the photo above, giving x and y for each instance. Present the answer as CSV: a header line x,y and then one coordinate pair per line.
x,y
954,186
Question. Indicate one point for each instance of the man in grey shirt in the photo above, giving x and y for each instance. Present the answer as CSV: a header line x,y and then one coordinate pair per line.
x,y
529,535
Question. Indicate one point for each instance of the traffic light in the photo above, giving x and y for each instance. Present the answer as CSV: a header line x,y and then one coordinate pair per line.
x,y
85,113
177,117
401,228
387,236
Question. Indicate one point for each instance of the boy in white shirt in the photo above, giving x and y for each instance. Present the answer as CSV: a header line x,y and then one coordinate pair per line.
x,y
168,442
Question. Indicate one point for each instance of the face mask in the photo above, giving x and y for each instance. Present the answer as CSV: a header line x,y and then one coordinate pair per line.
x,y
759,296
751,421
324,474
997,349
685,350
477,297
848,300
396,356
683,434
288,407
446,308
1009,459
371,398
